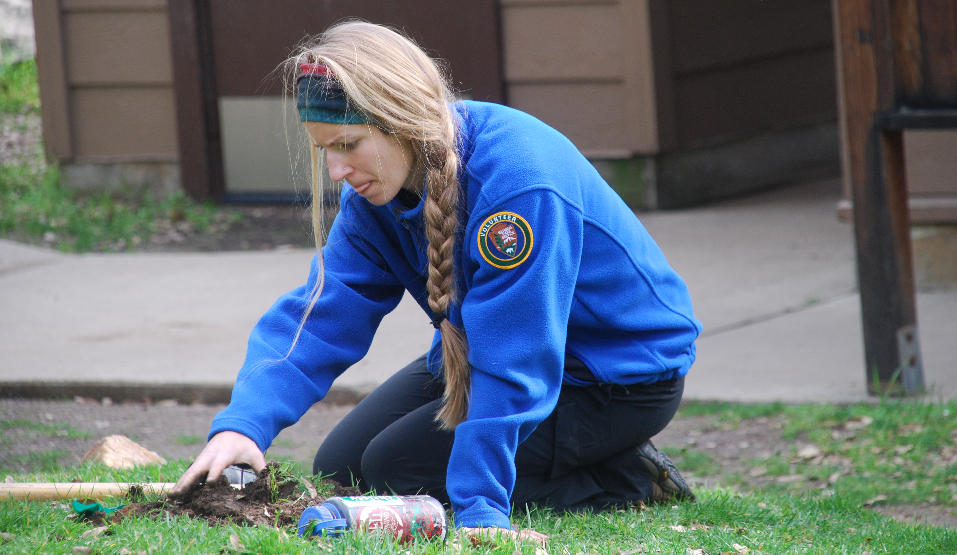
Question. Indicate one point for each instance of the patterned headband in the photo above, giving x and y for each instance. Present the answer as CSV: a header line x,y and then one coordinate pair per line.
x,y
320,97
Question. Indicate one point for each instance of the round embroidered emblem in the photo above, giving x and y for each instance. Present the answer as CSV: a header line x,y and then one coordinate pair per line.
x,y
505,240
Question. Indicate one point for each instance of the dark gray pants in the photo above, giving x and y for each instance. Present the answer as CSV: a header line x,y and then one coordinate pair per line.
x,y
581,457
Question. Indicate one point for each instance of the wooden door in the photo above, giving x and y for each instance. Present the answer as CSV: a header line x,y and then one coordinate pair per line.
x,y
233,137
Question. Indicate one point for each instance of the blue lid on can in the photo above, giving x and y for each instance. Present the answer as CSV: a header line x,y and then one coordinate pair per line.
x,y
322,520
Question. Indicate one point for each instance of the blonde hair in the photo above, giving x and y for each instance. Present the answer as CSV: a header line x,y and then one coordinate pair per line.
x,y
389,78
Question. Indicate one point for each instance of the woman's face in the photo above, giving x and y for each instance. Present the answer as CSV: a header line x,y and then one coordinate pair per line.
x,y
374,164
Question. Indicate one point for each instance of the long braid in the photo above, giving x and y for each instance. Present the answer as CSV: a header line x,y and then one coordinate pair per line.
x,y
441,228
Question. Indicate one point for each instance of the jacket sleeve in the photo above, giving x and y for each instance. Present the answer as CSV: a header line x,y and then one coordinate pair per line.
x,y
277,386
516,321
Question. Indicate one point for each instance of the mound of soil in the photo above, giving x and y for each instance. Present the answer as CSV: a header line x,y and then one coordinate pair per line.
x,y
274,499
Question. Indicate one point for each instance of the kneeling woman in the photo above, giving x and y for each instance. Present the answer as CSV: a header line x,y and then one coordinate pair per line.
x,y
562,334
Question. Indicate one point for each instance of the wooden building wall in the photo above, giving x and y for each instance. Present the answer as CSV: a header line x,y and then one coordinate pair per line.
x,y
684,85
734,68
106,80
584,67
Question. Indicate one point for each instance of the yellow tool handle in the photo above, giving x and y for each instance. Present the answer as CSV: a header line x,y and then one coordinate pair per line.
x,y
45,491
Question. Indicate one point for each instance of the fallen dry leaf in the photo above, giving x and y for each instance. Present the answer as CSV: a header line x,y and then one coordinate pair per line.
x,y
310,488
907,429
678,528
901,449
789,479
859,423
82,550
93,532
234,543
809,452
7,537
759,471
695,551
700,527
874,500
741,548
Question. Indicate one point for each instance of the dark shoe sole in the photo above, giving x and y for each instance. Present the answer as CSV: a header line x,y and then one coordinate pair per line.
x,y
664,473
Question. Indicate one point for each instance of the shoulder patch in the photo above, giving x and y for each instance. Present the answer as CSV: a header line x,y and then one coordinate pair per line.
x,y
505,240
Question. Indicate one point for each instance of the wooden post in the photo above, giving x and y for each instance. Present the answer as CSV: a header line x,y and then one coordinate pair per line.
x,y
52,72
885,270
877,38
197,102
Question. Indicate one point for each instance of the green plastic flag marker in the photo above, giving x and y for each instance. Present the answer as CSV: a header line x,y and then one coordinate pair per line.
x,y
85,510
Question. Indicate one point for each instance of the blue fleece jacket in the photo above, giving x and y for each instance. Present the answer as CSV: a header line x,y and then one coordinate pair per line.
x,y
549,261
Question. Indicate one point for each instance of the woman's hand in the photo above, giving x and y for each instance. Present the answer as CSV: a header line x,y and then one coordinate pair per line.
x,y
491,536
224,449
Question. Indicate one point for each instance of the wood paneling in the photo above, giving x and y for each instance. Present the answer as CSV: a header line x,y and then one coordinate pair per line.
x,y
54,93
596,126
559,53
124,48
124,124
771,94
639,77
726,70
506,3
559,43
722,34
253,37
938,21
663,74
113,5
931,162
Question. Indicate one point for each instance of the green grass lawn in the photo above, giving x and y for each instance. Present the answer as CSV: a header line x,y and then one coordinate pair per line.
x,y
899,450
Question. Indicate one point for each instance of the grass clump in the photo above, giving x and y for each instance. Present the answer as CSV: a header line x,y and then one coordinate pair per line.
x,y
35,206
19,87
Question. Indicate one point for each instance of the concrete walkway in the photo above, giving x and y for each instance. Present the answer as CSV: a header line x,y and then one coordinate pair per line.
x,y
772,278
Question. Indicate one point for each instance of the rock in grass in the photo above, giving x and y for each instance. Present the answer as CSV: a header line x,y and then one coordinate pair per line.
x,y
118,451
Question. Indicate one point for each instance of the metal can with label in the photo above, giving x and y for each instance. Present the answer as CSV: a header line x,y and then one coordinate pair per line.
x,y
403,517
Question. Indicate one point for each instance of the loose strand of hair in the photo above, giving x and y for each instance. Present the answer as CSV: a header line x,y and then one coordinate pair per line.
x,y
317,227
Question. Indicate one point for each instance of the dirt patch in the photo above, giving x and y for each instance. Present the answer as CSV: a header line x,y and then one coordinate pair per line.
x,y
729,445
274,499
276,227
20,138
740,447
929,515
33,431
